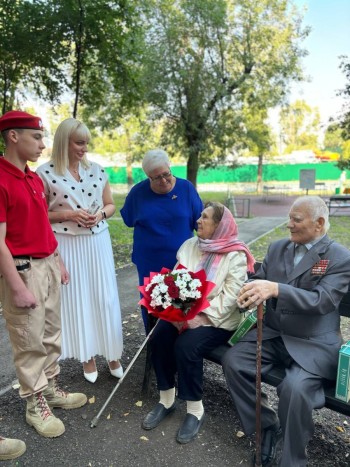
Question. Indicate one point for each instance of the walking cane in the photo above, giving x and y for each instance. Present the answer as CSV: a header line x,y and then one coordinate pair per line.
x,y
95,420
258,387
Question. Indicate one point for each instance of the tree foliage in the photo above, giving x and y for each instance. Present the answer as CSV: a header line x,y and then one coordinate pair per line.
x,y
28,58
99,39
203,58
344,121
85,48
345,117
333,138
299,126
197,65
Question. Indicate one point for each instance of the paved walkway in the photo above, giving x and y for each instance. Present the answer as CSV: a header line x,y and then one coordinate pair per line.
x,y
251,230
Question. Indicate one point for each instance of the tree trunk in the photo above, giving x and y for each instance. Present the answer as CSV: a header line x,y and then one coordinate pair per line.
x,y
129,178
78,55
259,177
4,103
4,93
192,166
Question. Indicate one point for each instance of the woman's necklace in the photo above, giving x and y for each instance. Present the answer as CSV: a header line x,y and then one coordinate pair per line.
x,y
74,172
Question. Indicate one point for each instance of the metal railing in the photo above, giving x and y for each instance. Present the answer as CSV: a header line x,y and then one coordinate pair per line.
x,y
240,207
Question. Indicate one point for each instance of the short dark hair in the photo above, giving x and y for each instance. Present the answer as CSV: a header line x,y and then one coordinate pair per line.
x,y
5,133
218,210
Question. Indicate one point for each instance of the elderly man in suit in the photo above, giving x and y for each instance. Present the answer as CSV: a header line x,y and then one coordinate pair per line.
x,y
302,280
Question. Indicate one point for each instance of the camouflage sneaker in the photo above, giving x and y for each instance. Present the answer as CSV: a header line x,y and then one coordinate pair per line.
x,y
11,448
39,416
57,397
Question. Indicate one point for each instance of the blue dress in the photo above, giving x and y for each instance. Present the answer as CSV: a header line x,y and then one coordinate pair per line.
x,y
162,222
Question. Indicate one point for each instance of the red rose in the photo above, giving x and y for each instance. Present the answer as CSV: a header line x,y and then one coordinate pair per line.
x,y
173,291
168,280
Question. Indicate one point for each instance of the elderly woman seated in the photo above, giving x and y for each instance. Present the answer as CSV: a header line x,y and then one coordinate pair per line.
x,y
226,261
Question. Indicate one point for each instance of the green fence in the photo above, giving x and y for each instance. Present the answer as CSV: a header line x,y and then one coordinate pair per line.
x,y
242,174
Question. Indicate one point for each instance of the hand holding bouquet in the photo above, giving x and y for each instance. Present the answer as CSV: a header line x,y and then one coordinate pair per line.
x,y
177,295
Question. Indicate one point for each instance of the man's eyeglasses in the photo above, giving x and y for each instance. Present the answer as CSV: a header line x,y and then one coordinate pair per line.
x,y
159,178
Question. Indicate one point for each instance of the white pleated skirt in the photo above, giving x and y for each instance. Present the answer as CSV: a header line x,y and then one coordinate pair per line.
x,y
91,318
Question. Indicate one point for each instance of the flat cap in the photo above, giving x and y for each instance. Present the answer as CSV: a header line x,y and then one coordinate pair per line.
x,y
18,119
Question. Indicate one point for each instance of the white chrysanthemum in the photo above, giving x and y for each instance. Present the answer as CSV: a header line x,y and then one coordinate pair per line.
x,y
155,292
158,278
185,276
195,284
167,303
191,293
163,288
179,271
161,300
180,283
157,299
182,296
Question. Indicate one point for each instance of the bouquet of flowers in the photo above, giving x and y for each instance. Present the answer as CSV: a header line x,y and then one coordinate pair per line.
x,y
177,295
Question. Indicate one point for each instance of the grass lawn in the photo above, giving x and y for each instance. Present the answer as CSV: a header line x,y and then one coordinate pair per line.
x,y
122,235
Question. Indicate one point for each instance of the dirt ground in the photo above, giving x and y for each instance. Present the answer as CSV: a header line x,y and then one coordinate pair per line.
x,y
118,439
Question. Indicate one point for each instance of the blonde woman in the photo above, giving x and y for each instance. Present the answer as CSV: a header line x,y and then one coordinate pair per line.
x,y
80,202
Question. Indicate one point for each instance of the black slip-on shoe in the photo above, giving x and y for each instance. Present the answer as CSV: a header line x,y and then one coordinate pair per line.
x,y
271,442
189,428
156,415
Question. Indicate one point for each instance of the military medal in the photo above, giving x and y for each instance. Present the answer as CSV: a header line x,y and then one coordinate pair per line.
x,y
319,269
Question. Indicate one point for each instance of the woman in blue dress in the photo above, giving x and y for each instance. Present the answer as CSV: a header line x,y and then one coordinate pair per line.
x,y
163,210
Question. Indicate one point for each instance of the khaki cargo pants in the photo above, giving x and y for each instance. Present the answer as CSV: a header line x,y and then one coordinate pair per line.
x,y
35,334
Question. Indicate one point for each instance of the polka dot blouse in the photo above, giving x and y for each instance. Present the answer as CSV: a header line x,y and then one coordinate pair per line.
x,y
65,193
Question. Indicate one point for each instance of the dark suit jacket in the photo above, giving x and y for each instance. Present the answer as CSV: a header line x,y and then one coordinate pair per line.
x,y
305,313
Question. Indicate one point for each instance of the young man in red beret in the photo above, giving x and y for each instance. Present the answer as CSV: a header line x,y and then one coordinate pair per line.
x,y
30,275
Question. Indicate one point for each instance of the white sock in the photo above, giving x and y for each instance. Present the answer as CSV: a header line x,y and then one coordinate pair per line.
x,y
195,408
167,398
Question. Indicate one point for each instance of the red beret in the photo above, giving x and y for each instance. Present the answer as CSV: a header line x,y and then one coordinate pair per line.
x,y
18,119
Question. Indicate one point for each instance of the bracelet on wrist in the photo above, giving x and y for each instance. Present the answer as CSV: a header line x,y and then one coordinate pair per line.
x,y
103,214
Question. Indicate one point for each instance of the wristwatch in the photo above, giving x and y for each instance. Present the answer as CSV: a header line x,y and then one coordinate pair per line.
x,y
103,214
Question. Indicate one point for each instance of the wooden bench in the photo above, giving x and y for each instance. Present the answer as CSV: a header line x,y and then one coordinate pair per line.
x,y
337,202
276,375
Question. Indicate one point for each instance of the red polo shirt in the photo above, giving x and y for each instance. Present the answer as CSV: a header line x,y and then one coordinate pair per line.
x,y
23,207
